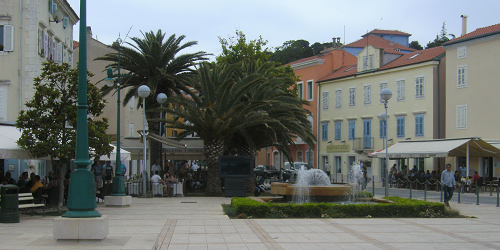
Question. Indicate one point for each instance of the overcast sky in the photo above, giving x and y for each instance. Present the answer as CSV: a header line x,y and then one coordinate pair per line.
x,y
278,21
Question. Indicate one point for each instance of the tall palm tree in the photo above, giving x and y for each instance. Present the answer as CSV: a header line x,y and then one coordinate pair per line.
x,y
154,61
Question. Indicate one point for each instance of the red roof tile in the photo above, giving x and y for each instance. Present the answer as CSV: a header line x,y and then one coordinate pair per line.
x,y
415,57
386,32
393,51
342,72
308,58
477,32
378,42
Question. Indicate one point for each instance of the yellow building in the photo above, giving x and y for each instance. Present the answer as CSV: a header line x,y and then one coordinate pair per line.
x,y
31,32
351,124
472,93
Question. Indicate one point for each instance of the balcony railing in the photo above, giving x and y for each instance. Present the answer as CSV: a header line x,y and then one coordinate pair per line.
x,y
363,143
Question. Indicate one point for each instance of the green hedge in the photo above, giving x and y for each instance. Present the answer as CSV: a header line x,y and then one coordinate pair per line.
x,y
401,207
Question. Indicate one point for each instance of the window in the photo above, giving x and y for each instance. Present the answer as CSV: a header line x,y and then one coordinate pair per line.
x,y
130,129
300,156
367,94
462,52
352,129
365,65
462,76
300,90
371,61
338,98
352,97
419,87
3,103
338,164
338,131
383,85
324,131
462,117
41,40
400,126
7,37
326,100
401,90
131,103
419,125
309,90
383,131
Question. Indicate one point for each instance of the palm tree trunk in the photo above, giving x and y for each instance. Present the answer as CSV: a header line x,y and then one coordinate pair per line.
x,y
213,149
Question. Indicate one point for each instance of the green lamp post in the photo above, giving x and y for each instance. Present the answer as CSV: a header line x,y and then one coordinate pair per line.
x,y
81,197
118,188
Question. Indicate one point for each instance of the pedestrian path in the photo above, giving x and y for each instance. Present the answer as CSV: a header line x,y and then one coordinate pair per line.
x,y
199,223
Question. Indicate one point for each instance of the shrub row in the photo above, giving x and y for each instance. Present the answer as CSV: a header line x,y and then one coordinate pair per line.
x,y
401,207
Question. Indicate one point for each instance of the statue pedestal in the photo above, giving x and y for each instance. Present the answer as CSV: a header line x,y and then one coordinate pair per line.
x,y
94,228
118,201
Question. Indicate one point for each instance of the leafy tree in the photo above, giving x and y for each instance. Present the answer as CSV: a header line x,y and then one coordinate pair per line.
x,y
415,45
291,51
318,47
441,38
236,49
54,106
154,61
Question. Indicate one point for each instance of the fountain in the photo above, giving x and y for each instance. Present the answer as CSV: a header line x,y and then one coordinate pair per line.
x,y
312,186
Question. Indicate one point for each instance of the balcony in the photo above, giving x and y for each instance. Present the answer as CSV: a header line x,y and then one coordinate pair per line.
x,y
363,144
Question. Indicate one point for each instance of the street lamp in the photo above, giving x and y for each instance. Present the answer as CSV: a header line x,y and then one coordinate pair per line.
x,y
81,197
386,94
161,98
144,92
118,188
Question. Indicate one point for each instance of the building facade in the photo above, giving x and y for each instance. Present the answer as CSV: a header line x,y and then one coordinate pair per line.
x,y
472,84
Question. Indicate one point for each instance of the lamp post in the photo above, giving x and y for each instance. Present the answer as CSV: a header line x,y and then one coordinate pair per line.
x,y
81,197
118,188
143,92
386,94
161,98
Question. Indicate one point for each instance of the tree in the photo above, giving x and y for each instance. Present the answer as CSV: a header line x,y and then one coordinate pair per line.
x,y
291,51
154,61
318,47
415,45
236,49
44,123
441,38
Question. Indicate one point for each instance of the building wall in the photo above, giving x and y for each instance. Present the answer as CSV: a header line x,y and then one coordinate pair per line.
x,y
408,108
30,19
480,95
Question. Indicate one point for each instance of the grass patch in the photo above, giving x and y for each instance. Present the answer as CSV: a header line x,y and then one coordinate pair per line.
x,y
400,208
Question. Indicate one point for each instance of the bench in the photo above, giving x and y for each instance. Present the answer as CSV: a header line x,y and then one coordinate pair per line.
x,y
26,201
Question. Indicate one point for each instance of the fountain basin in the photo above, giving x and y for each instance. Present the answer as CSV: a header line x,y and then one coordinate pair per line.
x,y
334,192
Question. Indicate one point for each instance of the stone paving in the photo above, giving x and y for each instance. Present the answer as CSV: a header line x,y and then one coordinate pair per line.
x,y
199,223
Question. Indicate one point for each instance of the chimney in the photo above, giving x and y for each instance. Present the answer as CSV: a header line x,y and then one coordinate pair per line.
x,y
338,42
89,33
464,24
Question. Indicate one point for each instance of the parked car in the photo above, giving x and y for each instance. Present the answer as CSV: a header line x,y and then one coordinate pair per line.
x,y
295,167
268,170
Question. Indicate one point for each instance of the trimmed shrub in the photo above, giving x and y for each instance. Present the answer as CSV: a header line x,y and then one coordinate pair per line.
x,y
401,207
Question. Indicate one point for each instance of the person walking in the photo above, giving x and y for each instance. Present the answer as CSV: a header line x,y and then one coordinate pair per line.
x,y
448,183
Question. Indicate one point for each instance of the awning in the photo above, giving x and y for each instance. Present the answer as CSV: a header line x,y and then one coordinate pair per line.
x,y
166,141
124,155
374,154
441,148
9,149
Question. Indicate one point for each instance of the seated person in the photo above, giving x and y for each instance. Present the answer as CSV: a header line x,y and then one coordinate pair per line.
x,y
475,178
31,181
38,184
170,182
156,179
8,179
21,183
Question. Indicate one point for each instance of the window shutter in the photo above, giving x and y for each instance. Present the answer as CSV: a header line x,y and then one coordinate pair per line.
x,y
326,100
51,4
8,38
40,40
45,43
59,53
65,22
2,103
64,54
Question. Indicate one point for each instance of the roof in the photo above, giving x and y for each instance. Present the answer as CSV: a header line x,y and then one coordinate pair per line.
x,y
485,31
456,147
378,42
342,72
406,59
386,32
415,57
308,58
76,44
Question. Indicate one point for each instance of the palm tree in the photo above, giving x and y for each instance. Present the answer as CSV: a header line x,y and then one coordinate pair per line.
x,y
154,61
236,107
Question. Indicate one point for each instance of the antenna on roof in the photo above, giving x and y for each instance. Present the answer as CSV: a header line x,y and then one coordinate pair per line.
x,y
127,34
